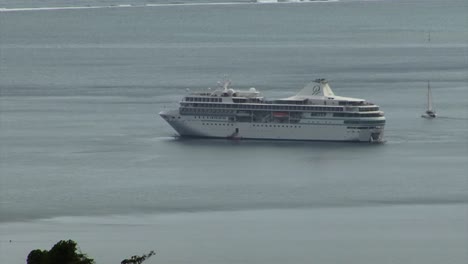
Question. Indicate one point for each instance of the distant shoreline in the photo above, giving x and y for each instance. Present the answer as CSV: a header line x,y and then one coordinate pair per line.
x,y
20,9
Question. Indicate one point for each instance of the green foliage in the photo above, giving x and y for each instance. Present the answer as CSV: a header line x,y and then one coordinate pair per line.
x,y
37,256
138,259
64,252
67,252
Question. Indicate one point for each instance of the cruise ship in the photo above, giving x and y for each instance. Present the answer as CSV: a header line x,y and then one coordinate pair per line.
x,y
315,114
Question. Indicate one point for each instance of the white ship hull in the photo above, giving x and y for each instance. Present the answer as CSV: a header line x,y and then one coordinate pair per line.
x,y
315,114
188,126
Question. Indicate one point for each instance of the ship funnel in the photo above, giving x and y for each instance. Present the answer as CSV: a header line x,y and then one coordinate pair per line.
x,y
319,87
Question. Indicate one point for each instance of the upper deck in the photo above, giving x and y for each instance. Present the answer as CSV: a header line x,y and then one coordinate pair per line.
x,y
316,96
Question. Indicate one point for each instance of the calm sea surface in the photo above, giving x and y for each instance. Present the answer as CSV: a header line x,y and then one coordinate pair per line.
x,y
85,156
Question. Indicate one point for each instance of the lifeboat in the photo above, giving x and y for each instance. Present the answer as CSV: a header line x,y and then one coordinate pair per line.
x,y
280,114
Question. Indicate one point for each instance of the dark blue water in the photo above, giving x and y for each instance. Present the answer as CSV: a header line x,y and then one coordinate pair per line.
x,y
81,139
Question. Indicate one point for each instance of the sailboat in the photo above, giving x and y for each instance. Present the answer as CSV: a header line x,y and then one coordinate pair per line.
x,y
430,113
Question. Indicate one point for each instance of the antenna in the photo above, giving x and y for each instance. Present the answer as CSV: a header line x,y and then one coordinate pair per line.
x,y
224,83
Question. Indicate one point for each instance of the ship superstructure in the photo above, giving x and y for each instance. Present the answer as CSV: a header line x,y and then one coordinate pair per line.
x,y
315,113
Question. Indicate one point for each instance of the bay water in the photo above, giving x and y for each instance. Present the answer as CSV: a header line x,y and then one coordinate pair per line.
x,y
85,156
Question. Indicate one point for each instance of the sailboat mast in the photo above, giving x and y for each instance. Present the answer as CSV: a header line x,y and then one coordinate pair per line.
x,y
429,97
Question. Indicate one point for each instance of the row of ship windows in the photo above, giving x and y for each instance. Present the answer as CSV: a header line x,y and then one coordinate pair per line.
x,y
370,127
368,109
266,107
199,110
318,122
228,124
290,126
224,111
278,108
356,115
361,122
244,105
217,124
210,117
197,99
243,100
318,114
